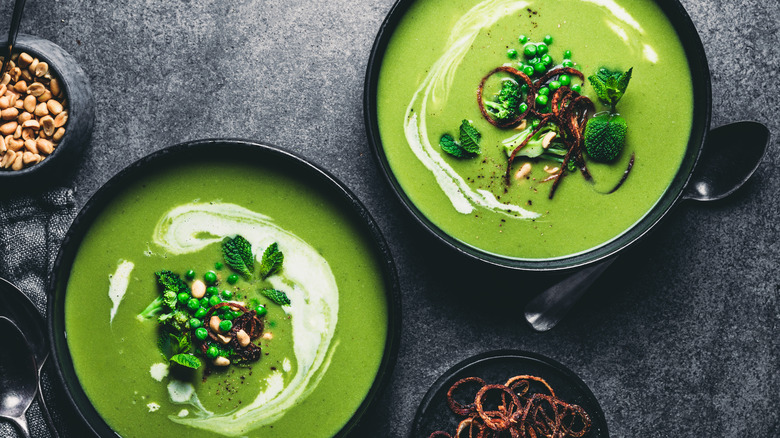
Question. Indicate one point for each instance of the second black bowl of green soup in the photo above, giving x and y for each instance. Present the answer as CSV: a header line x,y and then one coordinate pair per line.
x,y
538,135
245,295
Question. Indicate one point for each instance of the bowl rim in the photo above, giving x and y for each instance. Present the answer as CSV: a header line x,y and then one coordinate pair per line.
x,y
27,43
507,354
57,280
700,124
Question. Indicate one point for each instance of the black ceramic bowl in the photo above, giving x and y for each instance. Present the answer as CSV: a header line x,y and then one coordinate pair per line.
x,y
496,367
252,153
80,107
700,125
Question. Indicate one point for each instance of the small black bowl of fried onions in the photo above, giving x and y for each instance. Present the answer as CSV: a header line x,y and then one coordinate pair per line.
x,y
46,112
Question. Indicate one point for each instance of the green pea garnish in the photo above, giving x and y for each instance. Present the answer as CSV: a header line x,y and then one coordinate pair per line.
x,y
210,277
201,333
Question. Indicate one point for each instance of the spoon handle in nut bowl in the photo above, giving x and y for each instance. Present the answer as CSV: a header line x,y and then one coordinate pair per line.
x,y
16,20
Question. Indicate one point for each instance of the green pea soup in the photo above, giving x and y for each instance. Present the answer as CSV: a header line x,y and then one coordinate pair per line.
x,y
323,359
430,72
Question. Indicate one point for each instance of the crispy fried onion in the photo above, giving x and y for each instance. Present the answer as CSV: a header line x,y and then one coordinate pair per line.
x,y
248,321
568,110
524,407
529,100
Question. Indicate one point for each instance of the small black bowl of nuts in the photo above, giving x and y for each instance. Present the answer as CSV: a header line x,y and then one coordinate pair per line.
x,y
46,111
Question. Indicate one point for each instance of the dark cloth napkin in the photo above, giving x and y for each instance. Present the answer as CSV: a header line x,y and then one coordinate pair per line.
x,y
31,230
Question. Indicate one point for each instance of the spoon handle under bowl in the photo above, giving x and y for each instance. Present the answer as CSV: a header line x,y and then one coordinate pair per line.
x,y
546,310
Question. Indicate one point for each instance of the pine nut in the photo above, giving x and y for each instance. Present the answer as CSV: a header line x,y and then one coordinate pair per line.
x,y
198,287
30,145
24,60
54,85
28,134
44,146
32,123
45,96
29,103
30,158
23,117
8,159
61,119
9,113
41,110
524,171
242,338
41,69
547,139
221,361
18,164
36,89
8,128
214,323
14,144
54,107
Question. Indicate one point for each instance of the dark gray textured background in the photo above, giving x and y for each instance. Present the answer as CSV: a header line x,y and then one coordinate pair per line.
x,y
680,337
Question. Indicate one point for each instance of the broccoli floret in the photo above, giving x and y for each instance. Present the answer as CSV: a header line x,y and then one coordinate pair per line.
x,y
154,308
176,320
534,148
605,136
171,282
505,106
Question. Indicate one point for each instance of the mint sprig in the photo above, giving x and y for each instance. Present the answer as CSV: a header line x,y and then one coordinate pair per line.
x,y
610,86
469,137
276,296
468,146
187,360
272,260
238,255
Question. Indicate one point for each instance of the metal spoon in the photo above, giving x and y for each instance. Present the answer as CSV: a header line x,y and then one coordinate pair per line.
x,y
730,156
18,375
16,19
17,307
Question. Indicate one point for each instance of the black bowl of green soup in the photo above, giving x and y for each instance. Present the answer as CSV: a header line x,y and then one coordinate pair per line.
x,y
538,135
240,293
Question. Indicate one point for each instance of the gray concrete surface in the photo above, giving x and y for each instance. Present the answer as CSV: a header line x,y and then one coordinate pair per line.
x,y
678,339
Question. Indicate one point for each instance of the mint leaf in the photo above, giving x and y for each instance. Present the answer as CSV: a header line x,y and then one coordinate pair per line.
x,y
238,255
450,146
276,296
171,344
610,86
272,260
187,360
469,137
